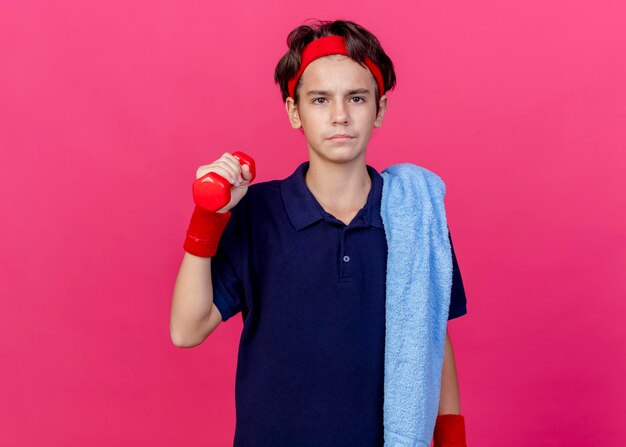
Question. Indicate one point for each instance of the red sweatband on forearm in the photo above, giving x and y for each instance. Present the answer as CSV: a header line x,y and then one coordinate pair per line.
x,y
450,431
204,232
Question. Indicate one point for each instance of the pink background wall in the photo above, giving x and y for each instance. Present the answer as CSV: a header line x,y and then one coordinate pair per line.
x,y
107,109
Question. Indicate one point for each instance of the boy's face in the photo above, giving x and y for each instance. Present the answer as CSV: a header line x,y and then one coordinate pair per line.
x,y
337,96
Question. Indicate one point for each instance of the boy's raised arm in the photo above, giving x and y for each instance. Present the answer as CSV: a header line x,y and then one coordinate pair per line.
x,y
194,316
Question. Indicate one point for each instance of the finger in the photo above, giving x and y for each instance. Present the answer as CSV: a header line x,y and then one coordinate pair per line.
x,y
232,161
225,171
235,168
228,167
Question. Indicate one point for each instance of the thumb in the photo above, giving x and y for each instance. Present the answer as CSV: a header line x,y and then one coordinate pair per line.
x,y
245,171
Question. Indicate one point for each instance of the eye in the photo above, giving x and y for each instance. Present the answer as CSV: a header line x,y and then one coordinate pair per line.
x,y
316,100
359,97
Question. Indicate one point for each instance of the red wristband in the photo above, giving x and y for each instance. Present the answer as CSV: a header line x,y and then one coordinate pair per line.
x,y
450,431
204,232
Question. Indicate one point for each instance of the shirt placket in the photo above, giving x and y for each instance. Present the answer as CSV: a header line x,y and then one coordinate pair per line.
x,y
345,255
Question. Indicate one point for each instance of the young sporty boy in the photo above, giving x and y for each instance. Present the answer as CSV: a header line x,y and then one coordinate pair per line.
x,y
304,261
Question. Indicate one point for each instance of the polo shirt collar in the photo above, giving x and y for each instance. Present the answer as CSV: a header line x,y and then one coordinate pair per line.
x,y
303,208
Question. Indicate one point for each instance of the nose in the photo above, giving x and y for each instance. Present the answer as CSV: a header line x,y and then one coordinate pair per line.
x,y
339,112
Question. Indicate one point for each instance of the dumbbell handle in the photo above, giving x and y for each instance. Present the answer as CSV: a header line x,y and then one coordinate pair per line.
x,y
212,191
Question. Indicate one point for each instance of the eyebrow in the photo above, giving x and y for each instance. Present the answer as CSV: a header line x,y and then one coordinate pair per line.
x,y
327,93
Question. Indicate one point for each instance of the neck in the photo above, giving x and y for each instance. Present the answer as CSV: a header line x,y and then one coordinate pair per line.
x,y
339,186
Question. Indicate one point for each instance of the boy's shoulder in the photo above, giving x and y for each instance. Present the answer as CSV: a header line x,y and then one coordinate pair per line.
x,y
264,187
259,195
405,176
405,170
263,191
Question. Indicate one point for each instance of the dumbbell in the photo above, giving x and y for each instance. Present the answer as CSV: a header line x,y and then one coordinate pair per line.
x,y
212,191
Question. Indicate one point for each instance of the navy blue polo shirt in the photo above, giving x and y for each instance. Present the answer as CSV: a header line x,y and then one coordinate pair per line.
x,y
311,292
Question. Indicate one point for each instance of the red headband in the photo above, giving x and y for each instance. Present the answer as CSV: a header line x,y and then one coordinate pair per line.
x,y
323,47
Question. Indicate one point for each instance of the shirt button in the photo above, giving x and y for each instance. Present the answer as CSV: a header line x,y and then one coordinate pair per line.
x,y
346,259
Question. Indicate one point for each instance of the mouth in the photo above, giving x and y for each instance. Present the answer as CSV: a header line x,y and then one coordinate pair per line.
x,y
341,137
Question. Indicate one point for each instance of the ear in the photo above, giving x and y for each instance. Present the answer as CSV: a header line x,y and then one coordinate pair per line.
x,y
382,102
292,113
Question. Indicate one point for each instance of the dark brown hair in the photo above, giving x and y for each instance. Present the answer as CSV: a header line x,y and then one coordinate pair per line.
x,y
359,42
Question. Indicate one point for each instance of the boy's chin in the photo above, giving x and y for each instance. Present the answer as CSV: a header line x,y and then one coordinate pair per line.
x,y
339,154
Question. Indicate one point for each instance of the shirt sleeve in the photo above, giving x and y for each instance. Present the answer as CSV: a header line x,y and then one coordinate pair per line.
x,y
227,267
458,301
